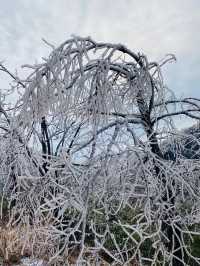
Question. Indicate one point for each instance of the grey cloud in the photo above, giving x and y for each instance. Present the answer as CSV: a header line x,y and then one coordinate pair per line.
x,y
154,27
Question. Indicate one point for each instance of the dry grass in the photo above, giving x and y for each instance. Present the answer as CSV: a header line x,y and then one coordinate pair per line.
x,y
19,241
10,245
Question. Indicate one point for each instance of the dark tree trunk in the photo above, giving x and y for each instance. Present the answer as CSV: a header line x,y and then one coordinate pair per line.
x,y
46,147
172,233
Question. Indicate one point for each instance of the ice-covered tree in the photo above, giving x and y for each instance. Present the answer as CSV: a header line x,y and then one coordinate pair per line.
x,y
92,146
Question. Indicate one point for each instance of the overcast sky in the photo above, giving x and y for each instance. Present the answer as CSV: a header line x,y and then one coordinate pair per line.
x,y
154,27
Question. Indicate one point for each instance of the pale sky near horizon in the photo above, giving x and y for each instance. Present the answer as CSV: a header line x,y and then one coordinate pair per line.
x,y
154,27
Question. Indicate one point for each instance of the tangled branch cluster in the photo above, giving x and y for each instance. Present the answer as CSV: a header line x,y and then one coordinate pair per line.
x,y
93,160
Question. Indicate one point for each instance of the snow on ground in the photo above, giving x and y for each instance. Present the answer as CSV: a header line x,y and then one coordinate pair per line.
x,y
31,262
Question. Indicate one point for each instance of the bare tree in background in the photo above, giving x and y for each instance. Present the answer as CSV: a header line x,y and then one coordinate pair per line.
x,y
92,147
